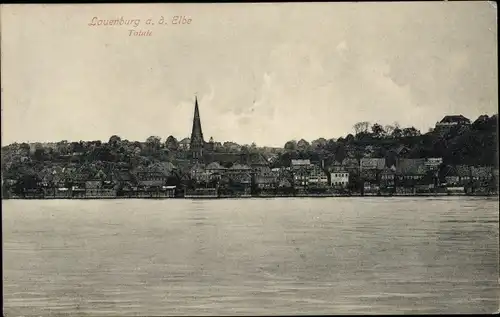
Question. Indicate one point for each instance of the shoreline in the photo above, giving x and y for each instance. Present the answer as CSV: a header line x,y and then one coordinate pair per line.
x,y
258,197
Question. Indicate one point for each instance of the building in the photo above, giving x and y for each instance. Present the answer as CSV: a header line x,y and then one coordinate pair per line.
x,y
150,178
240,173
258,163
300,170
351,165
184,144
372,164
268,180
409,174
215,170
482,178
388,179
317,177
450,121
197,143
296,164
93,188
306,174
450,176
370,169
199,173
464,175
237,180
433,163
339,178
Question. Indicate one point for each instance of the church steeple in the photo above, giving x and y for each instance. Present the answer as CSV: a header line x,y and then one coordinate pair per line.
x,y
197,141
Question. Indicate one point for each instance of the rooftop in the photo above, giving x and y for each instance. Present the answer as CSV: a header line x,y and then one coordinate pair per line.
x,y
300,162
454,118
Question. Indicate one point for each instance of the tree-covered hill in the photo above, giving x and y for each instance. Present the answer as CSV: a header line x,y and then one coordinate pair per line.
x,y
471,144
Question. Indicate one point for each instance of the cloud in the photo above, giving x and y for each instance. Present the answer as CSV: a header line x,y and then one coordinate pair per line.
x,y
263,72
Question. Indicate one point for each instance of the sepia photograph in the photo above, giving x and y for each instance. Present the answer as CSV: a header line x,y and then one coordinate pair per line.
x,y
251,159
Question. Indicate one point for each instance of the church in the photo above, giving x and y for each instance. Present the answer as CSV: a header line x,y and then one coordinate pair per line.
x,y
202,152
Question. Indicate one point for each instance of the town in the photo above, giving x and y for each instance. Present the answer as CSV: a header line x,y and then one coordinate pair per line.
x,y
456,157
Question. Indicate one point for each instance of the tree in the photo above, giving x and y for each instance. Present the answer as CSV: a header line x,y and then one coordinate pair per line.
x,y
340,153
349,138
290,145
390,158
253,147
331,146
377,130
319,143
397,133
389,129
245,149
153,143
303,145
410,132
114,140
361,127
39,154
171,143
25,148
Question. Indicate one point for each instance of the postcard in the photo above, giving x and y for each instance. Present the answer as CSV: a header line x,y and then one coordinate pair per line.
x,y
249,158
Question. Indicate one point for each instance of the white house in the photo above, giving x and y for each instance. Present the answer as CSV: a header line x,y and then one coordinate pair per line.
x,y
339,179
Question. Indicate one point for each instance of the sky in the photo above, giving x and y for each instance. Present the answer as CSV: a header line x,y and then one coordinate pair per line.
x,y
264,73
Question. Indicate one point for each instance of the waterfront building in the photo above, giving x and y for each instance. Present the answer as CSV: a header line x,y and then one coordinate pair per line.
x,y
388,178
258,163
306,174
409,173
339,179
451,177
164,192
240,177
240,173
300,170
198,173
266,181
317,177
48,192
482,178
62,192
201,193
464,174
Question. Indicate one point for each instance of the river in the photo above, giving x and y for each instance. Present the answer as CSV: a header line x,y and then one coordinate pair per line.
x,y
250,256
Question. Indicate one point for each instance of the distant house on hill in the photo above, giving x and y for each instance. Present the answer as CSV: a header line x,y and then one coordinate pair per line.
x,y
450,121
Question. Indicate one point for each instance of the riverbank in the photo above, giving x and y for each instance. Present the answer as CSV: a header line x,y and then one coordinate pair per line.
x,y
257,196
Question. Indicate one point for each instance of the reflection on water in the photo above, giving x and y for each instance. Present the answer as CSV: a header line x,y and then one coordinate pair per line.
x,y
252,256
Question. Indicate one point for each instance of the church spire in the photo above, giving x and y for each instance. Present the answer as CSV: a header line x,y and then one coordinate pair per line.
x,y
197,142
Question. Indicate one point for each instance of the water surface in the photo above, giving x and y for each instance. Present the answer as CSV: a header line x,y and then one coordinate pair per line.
x,y
250,256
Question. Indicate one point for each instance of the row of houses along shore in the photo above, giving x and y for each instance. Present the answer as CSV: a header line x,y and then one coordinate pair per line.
x,y
208,174
351,177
